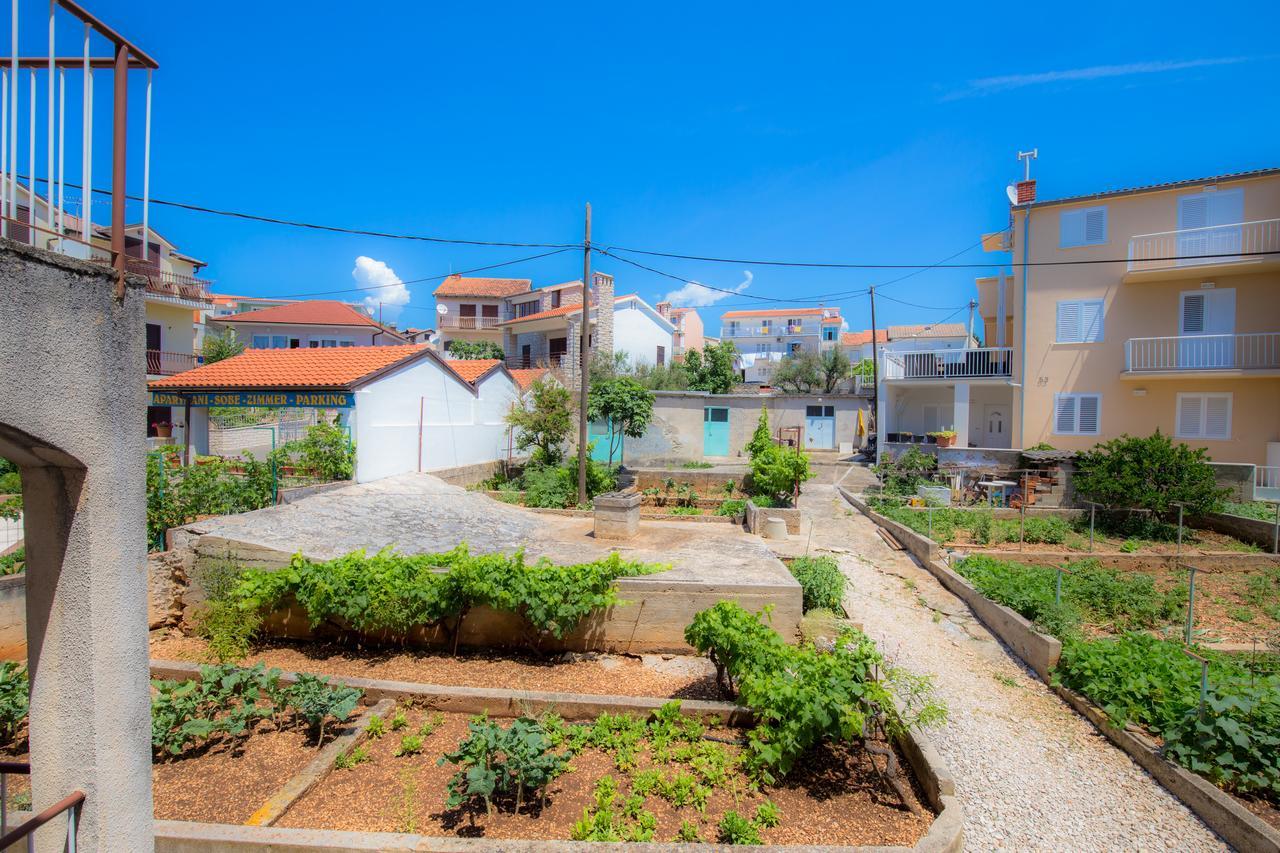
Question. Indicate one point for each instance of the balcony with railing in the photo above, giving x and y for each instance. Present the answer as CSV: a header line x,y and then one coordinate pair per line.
x,y
555,360
949,364
1258,352
771,330
457,322
169,286
1187,252
161,363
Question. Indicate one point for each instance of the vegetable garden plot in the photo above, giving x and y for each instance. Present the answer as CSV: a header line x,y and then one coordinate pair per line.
x,y
621,778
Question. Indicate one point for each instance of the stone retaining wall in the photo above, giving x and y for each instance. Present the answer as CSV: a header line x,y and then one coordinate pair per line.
x,y
756,515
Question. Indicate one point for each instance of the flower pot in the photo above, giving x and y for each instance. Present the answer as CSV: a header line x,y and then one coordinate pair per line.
x,y
164,431
946,441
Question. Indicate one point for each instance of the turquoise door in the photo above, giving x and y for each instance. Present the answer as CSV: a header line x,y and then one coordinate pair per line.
x,y
715,431
606,443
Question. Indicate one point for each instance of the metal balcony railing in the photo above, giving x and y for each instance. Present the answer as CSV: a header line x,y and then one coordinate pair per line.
x,y
555,361
174,286
1257,351
771,330
1266,483
980,363
1214,244
161,363
71,804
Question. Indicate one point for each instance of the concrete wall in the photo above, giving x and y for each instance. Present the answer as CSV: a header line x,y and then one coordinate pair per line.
x,y
458,426
676,432
71,419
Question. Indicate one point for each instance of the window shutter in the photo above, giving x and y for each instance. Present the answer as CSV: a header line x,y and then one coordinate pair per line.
x,y
1095,225
1217,416
1088,411
1193,314
1068,322
1193,211
1072,228
1066,414
1189,407
1091,321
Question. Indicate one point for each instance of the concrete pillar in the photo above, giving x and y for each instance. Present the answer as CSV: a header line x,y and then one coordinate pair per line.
x,y
199,429
75,426
509,344
617,515
960,414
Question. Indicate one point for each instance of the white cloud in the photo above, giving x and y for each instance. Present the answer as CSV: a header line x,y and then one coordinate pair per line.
x,y
1003,83
391,293
694,295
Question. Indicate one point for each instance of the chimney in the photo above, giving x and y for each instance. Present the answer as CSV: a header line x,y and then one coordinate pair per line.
x,y
602,286
1026,191
663,309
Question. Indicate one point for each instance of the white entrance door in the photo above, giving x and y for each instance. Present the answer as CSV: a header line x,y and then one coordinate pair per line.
x,y
820,427
1207,325
1209,225
995,425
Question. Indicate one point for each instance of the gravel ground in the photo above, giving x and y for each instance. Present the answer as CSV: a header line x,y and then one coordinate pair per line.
x,y
1031,773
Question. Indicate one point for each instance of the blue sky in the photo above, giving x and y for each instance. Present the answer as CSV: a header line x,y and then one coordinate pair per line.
x,y
884,133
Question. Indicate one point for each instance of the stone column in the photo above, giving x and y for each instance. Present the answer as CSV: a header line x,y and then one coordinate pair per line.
x,y
960,414
617,515
602,285
573,354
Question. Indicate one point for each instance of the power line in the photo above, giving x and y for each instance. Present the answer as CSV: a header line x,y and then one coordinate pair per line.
x,y
674,277
425,278
914,305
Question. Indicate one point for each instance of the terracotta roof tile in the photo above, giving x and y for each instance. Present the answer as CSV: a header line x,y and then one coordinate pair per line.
x,y
937,330
471,369
491,288
542,315
526,376
313,312
855,339
324,367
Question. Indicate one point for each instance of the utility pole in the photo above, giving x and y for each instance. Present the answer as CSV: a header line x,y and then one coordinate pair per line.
x,y
584,352
875,367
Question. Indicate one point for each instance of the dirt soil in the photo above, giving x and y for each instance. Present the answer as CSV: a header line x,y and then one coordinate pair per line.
x,y
675,677
833,797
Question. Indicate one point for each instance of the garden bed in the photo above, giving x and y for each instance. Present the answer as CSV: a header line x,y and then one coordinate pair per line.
x,y
668,676
836,798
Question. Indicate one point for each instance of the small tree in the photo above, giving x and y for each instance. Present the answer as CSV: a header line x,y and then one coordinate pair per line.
x,y
835,368
761,439
1149,473
624,403
778,472
224,345
864,369
474,350
799,373
711,369
543,420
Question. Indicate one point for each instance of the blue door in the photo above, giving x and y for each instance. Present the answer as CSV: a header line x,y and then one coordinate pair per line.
x,y
820,427
606,443
715,431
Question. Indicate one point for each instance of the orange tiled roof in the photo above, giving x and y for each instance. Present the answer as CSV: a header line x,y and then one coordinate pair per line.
x,y
550,312
323,367
492,288
778,312
935,330
313,312
526,376
471,369
854,339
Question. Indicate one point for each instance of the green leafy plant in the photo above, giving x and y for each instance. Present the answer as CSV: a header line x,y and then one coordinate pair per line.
x,y
465,350
542,420
351,758
688,833
409,745
768,814
399,720
224,700
777,472
798,373
314,701
736,829
606,820
1149,473
496,763
697,463
221,346
228,629
622,402
15,699
732,508
684,510
907,472
821,582
13,562
711,368
375,728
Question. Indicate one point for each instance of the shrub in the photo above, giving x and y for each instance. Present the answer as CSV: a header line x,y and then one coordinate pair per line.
x,y
906,473
778,472
557,487
685,510
326,451
228,629
761,439
474,350
732,508
15,699
1235,741
542,420
821,582
13,563
1148,473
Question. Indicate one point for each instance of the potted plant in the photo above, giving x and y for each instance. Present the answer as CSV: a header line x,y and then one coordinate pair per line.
x,y
907,438
945,438
163,429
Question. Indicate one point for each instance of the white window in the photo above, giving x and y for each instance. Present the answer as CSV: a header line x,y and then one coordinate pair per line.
x,y
1204,416
1080,321
1076,414
1083,227
261,341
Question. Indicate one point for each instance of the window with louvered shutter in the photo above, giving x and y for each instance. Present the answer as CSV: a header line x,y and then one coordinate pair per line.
x,y
1077,414
1217,416
1084,227
1189,406
1193,314
1065,415
1079,321
1206,416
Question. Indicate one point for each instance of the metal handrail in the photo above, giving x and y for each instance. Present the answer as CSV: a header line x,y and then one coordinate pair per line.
x,y
1178,231
1250,350
71,804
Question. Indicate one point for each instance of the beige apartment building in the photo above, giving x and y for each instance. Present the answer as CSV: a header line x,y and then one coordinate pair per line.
x,y
1173,324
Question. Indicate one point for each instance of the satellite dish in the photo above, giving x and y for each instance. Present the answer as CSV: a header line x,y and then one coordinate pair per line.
x,y
433,339
442,310
1011,191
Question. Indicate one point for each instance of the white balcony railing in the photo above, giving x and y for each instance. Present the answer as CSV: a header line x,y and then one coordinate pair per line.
x,y
1266,483
773,330
977,363
453,321
1258,351
1214,244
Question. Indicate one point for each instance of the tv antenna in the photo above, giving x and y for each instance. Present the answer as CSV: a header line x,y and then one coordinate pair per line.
x,y
1026,157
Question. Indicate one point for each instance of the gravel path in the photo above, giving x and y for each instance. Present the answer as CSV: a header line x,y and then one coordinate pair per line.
x,y
1032,774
